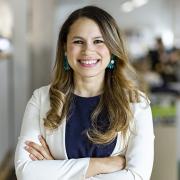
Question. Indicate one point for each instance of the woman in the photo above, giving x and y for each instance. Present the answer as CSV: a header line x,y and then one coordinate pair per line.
x,y
91,121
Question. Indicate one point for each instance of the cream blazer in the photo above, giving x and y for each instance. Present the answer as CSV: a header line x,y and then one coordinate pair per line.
x,y
138,149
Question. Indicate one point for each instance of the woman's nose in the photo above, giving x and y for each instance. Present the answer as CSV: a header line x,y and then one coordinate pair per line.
x,y
88,47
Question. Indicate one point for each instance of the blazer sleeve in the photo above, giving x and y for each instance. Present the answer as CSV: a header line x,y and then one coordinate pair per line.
x,y
26,169
140,150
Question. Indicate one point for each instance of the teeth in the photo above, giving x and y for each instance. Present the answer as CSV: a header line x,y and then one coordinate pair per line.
x,y
89,62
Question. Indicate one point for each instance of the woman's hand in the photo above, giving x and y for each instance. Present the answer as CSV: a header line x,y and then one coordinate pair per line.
x,y
105,165
114,163
38,152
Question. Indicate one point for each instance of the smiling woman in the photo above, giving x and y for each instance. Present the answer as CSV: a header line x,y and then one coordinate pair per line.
x,y
91,121
87,55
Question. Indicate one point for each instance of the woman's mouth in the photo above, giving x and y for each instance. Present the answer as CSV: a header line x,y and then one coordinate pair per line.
x,y
88,63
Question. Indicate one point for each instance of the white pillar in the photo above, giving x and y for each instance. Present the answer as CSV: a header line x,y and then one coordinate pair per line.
x,y
178,135
21,65
42,24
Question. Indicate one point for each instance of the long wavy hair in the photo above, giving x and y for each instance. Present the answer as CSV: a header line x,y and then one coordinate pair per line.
x,y
119,91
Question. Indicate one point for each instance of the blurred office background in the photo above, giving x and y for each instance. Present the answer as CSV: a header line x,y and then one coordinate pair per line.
x,y
28,35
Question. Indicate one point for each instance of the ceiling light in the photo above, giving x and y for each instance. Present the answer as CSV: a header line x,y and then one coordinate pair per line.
x,y
138,3
127,6
130,5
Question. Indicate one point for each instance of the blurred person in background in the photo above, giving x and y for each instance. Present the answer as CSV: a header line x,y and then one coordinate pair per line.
x,y
166,64
158,55
91,122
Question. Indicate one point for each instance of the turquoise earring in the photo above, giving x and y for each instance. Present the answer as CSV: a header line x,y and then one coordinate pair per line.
x,y
111,64
66,64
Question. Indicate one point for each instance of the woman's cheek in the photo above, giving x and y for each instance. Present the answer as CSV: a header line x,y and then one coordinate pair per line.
x,y
104,51
72,49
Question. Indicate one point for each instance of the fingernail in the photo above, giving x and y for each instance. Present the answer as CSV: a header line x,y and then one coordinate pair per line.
x,y
26,147
39,136
27,142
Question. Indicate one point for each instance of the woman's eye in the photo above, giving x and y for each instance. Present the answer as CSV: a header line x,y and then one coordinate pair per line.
x,y
78,42
98,41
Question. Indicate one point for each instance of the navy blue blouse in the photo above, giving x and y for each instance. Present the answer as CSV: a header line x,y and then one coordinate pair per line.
x,y
79,121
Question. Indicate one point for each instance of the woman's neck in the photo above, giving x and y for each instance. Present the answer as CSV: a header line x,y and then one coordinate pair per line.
x,y
88,87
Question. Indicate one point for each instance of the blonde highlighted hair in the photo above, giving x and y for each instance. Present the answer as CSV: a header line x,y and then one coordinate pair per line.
x,y
119,91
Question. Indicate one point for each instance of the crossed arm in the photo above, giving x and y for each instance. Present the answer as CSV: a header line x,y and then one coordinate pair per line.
x,y
96,165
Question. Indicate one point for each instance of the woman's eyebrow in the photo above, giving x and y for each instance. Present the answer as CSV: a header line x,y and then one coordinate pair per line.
x,y
79,37
98,37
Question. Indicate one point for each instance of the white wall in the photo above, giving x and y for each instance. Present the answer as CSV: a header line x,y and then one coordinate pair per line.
x,y
21,64
32,55
41,38
4,110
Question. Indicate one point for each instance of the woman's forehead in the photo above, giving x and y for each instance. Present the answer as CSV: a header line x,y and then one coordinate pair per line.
x,y
83,27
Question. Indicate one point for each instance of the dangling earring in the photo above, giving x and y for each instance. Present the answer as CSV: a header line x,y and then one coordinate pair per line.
x,y
66,64
111,64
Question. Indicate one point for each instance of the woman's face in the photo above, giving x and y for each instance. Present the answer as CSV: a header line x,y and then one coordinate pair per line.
x,y
86,51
